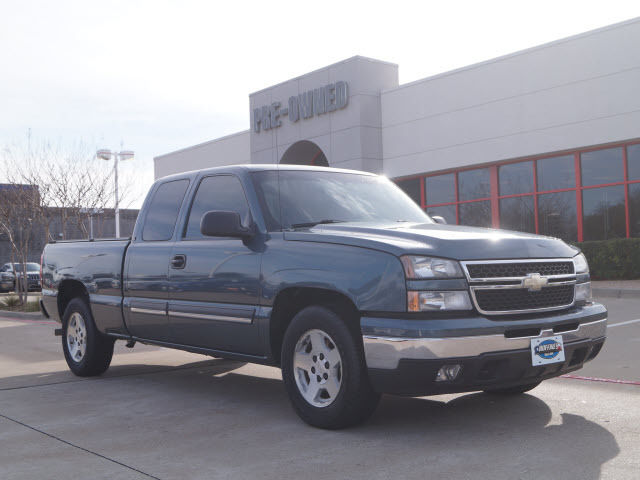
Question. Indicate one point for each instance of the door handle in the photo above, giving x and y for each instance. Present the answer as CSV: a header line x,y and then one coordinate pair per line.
x,y
178,261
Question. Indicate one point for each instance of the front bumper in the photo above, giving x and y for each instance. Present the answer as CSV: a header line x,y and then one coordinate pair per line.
x,y
404,355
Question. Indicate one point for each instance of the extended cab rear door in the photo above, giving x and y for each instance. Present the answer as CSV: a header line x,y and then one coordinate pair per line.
x,y
214,281
146,287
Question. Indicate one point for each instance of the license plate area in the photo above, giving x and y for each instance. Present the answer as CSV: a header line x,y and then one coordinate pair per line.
x,y
547,350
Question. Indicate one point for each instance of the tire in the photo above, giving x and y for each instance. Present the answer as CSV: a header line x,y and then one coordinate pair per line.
x,y
517,390
87,351
336,393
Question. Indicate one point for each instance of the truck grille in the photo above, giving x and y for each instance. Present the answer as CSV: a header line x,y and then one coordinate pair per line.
x,y
514,299
519,269
515,286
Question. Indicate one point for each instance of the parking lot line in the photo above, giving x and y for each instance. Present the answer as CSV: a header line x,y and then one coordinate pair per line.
x,y
628,322
597,379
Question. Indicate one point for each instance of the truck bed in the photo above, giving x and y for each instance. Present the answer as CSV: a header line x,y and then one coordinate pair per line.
x,y
94,265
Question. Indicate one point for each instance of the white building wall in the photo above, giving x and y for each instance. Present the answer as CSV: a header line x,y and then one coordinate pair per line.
x,y
574,92
230,150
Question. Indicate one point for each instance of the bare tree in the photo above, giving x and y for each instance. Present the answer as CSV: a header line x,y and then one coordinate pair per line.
x,y
50,184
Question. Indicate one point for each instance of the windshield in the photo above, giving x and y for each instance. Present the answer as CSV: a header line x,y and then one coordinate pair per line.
x,y
306,198
31,267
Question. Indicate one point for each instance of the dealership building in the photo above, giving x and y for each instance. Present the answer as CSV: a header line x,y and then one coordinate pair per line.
x,y
545,140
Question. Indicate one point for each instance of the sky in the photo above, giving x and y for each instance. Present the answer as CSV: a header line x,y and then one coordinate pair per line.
x,y
158,76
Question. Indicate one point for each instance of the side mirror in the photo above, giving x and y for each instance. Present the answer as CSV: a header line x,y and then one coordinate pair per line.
x,y
218,223
438,219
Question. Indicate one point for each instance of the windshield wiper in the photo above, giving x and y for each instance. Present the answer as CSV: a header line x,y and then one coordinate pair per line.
x,y
313,224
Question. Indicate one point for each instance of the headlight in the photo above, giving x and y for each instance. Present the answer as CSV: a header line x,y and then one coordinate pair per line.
x,y
580,263
437,300
430,267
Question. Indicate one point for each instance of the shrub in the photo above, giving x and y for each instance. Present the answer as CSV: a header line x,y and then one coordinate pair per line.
x,y
617,259
11,302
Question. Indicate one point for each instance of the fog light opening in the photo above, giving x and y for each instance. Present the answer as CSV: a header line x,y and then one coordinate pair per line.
x,y
448,373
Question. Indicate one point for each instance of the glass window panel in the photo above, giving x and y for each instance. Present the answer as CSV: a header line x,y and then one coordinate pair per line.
x,y
476,214
222,192
556,173
557,215
163,210
634,209
603,213
448,212
440,189
412,188
516,178
601,166
474,184
633,161
517,213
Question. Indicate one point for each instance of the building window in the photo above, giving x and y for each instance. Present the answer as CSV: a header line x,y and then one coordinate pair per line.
x,y
557,215
516,178
603,213
476,214
440,189
602,166
633,160
556,173
634,209
517,213
474,184
412,188
540,195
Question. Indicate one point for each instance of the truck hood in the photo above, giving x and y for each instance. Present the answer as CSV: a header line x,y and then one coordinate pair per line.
x,y
449,241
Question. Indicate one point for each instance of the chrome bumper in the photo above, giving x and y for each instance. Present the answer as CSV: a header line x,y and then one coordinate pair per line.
x,y
386,352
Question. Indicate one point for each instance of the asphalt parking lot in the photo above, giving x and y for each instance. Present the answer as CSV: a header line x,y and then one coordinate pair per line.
x,y
166,414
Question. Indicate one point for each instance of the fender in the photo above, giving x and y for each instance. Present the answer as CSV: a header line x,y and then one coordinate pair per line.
x,y
372,280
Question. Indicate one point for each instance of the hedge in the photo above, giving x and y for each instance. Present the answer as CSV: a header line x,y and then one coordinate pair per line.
x,y
617,259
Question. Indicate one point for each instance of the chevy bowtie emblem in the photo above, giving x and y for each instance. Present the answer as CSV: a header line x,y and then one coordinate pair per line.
x,y
534,282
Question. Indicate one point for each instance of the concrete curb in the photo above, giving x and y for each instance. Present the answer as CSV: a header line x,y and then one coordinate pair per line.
x,y
22,315
616,293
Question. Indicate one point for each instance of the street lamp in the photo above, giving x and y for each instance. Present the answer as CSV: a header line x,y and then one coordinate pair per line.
x,y
106,154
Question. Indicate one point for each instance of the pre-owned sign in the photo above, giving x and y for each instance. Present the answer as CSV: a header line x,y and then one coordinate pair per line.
x,y
305,105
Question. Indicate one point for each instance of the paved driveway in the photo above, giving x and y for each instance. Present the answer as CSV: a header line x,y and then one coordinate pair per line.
x,y
166,414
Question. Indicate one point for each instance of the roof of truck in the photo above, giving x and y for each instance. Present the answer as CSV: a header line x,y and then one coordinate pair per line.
x,y
261,167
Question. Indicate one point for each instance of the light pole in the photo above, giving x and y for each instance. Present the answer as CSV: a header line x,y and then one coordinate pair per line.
x,y
105,154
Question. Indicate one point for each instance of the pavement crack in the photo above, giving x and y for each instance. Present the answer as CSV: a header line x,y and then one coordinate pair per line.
x,y
86,450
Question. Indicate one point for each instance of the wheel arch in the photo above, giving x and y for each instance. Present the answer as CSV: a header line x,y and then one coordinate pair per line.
x,y
67,291
289,301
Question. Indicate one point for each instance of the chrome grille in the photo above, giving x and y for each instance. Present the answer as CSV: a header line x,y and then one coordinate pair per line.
x,y
498,287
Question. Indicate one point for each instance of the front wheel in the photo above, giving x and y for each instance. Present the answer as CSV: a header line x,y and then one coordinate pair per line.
x,y
87,351
324,371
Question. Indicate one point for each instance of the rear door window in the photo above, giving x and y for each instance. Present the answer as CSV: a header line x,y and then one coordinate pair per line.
x,y
160,221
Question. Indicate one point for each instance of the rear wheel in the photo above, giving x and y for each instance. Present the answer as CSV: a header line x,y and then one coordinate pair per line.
x,y
324,371
87,351
518,389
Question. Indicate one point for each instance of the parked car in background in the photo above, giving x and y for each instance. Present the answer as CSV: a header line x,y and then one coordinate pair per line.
x,y
15,270
7,279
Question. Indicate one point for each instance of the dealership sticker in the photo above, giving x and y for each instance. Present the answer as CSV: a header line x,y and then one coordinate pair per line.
x,y
547,350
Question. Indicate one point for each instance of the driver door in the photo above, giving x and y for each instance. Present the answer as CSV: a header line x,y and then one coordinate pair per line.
x,y
214,281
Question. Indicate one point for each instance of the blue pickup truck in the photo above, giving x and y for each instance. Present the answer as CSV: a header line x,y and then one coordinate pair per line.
x,y
335,276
